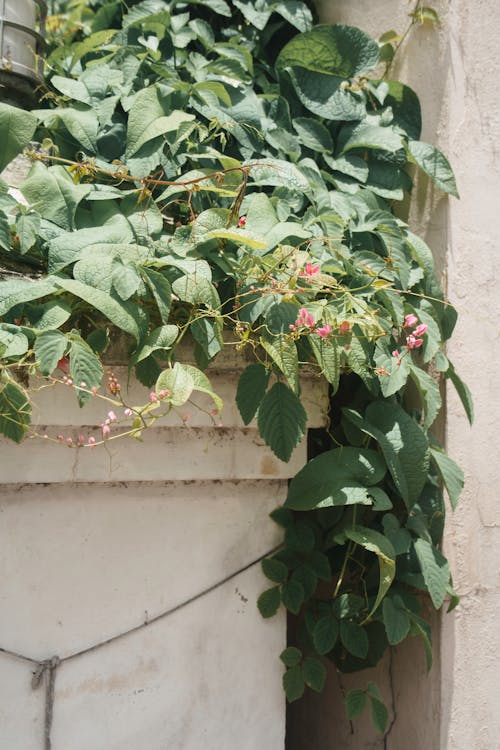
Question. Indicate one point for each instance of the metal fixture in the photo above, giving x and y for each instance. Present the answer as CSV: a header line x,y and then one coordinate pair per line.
x,y
22,30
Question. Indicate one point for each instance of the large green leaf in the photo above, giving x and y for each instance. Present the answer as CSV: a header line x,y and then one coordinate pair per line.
x,y
451,474
314,672
327,355
15,291
125,315
269,601
337,477
202,383
15,412
281,420
13,342
177,381
339,50
355,703
463,391
322,95
403,443
252,386
161,291
293,683
17,128
364,135
53,193
283,353
396,621
428,389
435,570
160,339
354,638
435,165
375,542
325,634
49,348
85,367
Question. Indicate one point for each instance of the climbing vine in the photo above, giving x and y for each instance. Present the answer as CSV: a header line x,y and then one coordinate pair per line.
x,y
225,174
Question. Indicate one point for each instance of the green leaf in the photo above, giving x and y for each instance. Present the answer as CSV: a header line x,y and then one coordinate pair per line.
x,y
379,713
293,683
364,135
17,128
178,382
281,420
313,134
161,291
325,634
291,656
435,165
435,570
405,108
375,542
292,595
397,369
283,352
354,638
321,95
429,393
208,334
139,133
28,229
52,315
314,672
339,50
202,384
269,602
13,342
196,290
251,390
299,537
49,348
277,173
16,291
160,339
396,621
463,392
422,628
451,474
403,443
125,279
85,367
276,571
355,703
326,479
125,315
327,355
15,412
53,193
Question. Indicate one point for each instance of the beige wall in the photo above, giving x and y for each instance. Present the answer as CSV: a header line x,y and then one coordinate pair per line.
x,y
96,542
454,70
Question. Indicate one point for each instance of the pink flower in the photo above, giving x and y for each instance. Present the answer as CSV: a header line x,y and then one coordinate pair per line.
x,y
344,327
413,343
91,440
305,319
395,353
106,431
410,321
63,364
69,441
94,390
128,412
60,438
309,270
420,329
153,397
112,416
324,331
242,221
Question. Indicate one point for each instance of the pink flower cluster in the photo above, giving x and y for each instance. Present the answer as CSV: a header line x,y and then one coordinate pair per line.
x,y
309,270
306,320
413,340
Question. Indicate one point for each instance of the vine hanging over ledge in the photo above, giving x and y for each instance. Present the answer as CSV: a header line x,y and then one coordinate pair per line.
x,y
225,173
